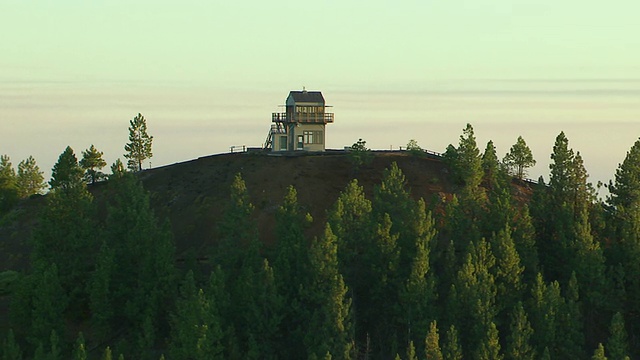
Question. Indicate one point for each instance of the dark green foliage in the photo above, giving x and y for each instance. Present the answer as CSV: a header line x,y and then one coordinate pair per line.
x,y
519,159
598,354
490,346
465,160
432,343
519,279
30,179
140,278
196,329
10,347
359,154
519,336
117,169
617,344
66,174
80,350
291,270
91,163
139,147
452,349
330,329
414,149
9,192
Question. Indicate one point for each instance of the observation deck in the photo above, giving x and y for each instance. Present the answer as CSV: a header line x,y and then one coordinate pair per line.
x,y
302,117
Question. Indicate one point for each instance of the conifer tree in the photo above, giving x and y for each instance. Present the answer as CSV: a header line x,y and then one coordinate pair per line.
x,y
291,270
419,293
11,348
493,173
100,292
117,169
67,228
195,327
330,329
350,220
465,160
143,272
30,179
139,147
80,350
520,332
476,294
8,186
238,233
48,305
508,271
383,259
432,343
617,344
519,159
66,174
411,351
490,346
598,354
92,162
452,350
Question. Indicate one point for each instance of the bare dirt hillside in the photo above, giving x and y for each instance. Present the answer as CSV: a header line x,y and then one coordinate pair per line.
x,y
193,194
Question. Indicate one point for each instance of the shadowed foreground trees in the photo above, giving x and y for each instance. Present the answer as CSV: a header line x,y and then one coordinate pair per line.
x,y
480,274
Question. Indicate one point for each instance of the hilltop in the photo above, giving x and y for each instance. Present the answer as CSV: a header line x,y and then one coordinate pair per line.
x,y
193,194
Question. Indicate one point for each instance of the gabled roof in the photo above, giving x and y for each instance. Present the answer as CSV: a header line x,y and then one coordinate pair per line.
x,y
307,96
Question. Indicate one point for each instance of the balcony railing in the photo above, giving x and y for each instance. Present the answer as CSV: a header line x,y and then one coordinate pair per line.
x,y
313,118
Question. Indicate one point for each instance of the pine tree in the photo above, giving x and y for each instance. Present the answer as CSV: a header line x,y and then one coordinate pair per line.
x,y
195,327
8,186
617,344
518,339
465,160
67,228
106,355
100,292
48,305
476,294
411,351
117,169
143,275
11,348
451,348
350,220
598,354
291,270
30,179
432,343
139,147
490,347
80,351
330,329
519,159
419,294
238,233
92,162
66,174
508,271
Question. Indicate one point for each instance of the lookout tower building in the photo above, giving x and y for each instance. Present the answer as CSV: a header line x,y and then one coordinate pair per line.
x,y
302,125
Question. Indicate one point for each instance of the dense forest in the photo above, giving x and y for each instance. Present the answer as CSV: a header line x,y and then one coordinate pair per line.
x,y
502,268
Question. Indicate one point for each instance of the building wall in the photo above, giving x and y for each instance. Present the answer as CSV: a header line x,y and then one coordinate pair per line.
x,y
314,133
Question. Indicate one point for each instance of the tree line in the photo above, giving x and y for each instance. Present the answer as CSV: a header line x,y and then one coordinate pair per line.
x,y
483,273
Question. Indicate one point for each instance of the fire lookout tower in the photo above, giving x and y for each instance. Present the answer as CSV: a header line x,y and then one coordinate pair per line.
x,y
302,125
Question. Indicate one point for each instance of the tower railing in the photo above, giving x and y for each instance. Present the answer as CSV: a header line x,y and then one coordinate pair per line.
x,y
315,118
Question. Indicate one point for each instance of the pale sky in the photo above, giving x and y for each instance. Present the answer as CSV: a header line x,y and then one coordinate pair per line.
x,y
208,74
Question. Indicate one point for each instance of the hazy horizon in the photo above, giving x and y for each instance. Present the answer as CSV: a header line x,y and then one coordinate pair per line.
x,y
207,75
